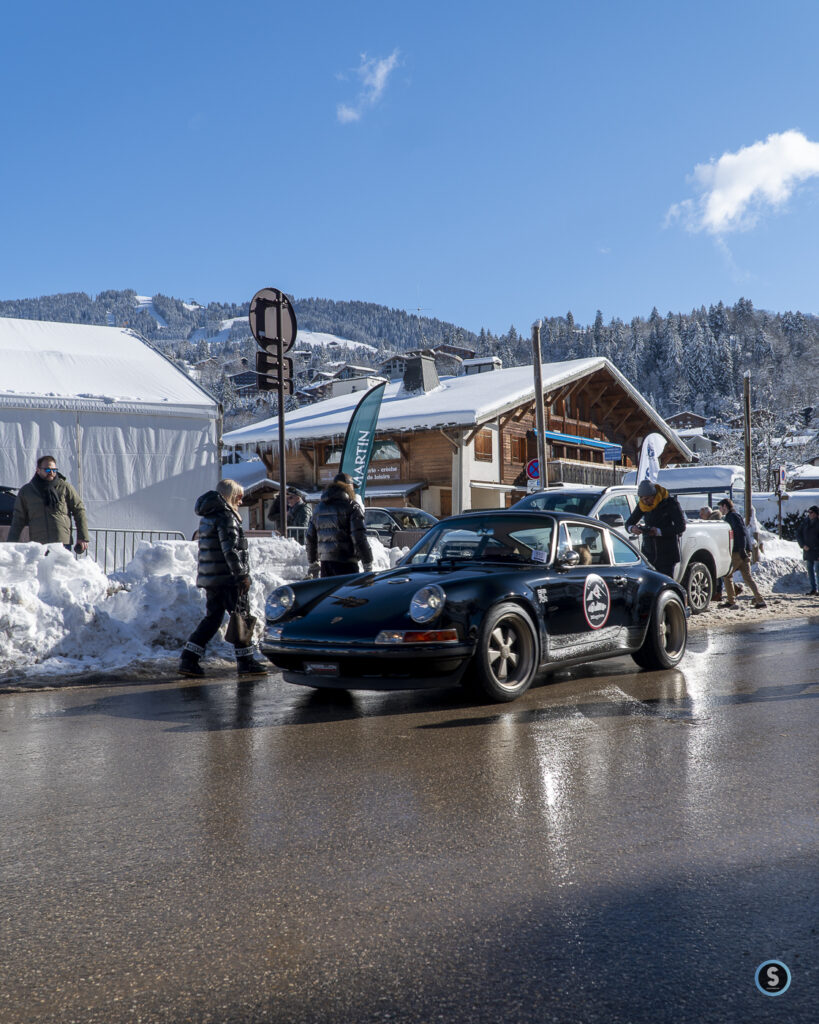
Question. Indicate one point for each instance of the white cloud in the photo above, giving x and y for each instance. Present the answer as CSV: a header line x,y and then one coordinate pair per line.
x,y
373,74
736,189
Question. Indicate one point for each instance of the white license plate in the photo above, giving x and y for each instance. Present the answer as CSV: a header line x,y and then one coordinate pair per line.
x,y
321,668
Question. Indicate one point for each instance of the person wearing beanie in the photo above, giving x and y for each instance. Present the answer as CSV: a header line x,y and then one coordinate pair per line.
x,y
663,525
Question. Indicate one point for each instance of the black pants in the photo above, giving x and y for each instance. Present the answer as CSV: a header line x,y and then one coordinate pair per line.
x,y
338,568
218,601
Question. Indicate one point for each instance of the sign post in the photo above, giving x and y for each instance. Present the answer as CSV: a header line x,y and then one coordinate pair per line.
x,y
273,325
613,454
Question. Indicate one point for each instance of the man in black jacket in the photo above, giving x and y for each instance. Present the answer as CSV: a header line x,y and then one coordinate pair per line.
x,y
337,537
223,571
664,524
807,533
740,557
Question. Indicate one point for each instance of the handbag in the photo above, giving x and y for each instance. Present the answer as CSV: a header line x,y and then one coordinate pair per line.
x,y
241,624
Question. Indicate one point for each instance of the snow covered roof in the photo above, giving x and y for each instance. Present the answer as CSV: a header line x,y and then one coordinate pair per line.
x,y
79,366
806,472
457,402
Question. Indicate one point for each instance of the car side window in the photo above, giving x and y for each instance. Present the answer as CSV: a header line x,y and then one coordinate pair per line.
x,y
616,505
373,517
589,543
623,554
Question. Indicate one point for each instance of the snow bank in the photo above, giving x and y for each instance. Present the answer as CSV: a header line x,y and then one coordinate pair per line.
x,y
62,616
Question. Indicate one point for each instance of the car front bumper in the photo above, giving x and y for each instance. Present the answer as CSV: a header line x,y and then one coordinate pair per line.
x,y
369,666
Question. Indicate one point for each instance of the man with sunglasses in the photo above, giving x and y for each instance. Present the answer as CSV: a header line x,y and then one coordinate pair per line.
x,y
46,505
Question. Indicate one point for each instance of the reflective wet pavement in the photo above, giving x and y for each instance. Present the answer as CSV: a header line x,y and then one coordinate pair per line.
x,y
616,846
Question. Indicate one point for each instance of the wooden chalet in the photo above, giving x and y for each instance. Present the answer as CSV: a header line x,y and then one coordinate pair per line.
x,y
464,442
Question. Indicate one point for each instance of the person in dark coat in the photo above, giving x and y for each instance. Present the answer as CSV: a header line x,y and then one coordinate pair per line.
x,y
46,505
336,538
299,512
663,525
807,533
223,571
740,557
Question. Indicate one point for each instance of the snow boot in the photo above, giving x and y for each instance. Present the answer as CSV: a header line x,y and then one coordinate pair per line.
x,y
247,665
189,660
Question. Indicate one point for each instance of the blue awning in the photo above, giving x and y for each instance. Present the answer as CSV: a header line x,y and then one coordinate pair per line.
x,y
587,442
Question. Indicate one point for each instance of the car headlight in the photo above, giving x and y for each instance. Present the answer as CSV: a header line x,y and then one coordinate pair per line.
x,y
279,603
427,603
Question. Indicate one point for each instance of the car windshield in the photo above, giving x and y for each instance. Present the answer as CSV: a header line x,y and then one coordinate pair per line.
x,y
516,539
578,502
414,519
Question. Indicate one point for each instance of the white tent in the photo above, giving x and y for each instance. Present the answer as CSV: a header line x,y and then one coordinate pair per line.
x,y
136,436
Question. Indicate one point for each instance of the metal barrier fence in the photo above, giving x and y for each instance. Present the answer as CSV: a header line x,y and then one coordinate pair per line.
x,y
116,548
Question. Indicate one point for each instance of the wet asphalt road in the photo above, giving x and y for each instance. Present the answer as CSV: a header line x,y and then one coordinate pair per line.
x,y
617,846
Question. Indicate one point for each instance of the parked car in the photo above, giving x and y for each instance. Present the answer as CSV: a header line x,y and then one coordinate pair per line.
x,y
7,499
385,523
488,599
706,546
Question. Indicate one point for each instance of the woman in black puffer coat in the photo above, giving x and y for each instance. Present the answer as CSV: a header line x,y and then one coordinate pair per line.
x,y
336,538
223,572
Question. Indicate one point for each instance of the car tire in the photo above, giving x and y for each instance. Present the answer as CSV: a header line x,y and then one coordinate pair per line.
x,y
667,634
699,586
506,657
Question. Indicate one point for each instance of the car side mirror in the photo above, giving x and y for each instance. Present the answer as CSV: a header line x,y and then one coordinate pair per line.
x,y
613,519
567,557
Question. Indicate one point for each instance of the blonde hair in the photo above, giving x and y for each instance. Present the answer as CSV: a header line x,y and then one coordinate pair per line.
x,y
230,491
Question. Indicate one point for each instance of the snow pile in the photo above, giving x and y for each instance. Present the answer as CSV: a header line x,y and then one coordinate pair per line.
x,y
781,570
61,616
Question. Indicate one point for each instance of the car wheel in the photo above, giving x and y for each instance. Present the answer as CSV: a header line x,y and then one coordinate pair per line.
x,y
667,634
699,586
506,657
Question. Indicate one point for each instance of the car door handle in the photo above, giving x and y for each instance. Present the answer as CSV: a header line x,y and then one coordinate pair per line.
x,y
620,581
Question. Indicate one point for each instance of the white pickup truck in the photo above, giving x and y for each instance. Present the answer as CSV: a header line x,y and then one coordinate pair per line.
x,y
706,544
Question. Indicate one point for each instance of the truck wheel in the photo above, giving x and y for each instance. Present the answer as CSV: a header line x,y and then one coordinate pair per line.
x,y
667,634
699,586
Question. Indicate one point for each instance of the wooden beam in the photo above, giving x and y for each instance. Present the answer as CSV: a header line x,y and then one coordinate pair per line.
x,y
474,433
455,445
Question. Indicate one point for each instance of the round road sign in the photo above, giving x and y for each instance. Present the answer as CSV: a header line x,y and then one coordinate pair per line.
x,y
533,469
271,315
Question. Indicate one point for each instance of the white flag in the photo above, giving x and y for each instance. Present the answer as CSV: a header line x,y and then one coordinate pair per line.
x,y
653,448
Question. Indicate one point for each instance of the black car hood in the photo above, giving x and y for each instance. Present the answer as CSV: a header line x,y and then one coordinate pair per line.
x,y
359,608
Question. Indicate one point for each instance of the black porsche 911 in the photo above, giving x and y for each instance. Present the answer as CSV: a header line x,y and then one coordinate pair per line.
x,y
488,599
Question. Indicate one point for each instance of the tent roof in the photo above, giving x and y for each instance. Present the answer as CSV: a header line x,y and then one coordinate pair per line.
x,y
79,366
458,401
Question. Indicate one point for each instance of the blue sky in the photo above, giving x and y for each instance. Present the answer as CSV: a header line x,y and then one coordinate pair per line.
x,y
488,163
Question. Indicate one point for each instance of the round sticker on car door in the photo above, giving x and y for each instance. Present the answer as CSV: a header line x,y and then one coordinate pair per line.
x,y
596,601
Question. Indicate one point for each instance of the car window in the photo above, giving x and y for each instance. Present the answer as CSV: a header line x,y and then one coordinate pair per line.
x,y
496,539
415,519
589,543
623,553
559,501
617,505
374,517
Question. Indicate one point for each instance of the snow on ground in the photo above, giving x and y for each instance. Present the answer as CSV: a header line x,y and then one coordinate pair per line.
x,y
62,617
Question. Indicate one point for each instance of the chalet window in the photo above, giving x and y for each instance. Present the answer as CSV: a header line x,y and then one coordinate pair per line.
x,y
567,405
517,449
483,446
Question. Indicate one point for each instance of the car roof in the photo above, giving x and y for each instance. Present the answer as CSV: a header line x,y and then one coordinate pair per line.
x,y
561,517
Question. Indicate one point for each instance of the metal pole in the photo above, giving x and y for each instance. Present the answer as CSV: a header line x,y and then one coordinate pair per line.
x,y
746,408
280,392
543,468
